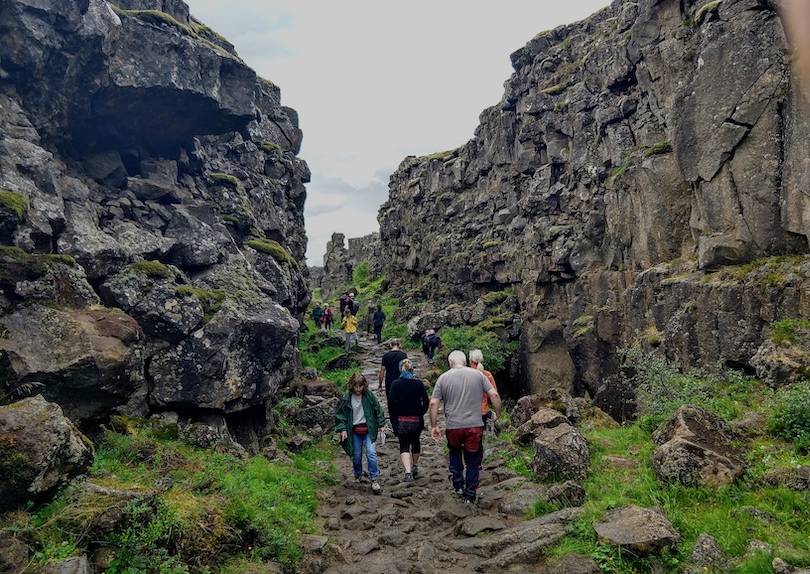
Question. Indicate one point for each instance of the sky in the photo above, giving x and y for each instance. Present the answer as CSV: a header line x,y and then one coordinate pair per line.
x,y
375,81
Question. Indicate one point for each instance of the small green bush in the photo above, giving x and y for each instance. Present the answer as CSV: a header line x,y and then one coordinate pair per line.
x,y
270,146
224,179
360,274
790,331
791,416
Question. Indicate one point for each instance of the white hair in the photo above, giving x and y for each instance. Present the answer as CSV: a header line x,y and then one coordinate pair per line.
x,y
476,356
457,359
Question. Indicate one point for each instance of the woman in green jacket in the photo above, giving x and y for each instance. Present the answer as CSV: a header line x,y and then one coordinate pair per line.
x,y
358,420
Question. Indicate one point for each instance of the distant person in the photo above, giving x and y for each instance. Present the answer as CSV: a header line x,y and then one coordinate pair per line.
x,y
430,343
349,324
317,315
462,390
328,317
390,365
407,404
368,320
358,420
477,362
377,321
343,302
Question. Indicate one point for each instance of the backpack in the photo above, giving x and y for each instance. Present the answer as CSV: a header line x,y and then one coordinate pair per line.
x,y
355,307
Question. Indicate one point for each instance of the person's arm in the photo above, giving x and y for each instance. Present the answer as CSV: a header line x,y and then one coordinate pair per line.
x,y
434,419
381,376
495,399
340,422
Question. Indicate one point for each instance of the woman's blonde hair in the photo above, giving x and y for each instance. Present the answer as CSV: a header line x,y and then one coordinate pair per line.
x,y
476,356
405,366
358,380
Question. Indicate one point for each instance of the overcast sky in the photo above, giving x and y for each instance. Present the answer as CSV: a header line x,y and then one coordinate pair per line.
x,y
375,81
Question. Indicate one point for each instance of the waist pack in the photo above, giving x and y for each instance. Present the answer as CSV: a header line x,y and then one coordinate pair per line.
x,y
408,424
361,429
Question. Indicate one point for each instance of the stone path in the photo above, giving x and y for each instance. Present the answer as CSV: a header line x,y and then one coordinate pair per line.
x,y
421,527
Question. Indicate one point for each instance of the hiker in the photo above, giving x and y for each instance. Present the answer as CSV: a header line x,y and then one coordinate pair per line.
x,y
407,404
358,420
430,342
477,362
317,314
327,318
349,324
377,321
353,304
343,302
390,365
368,320
462,389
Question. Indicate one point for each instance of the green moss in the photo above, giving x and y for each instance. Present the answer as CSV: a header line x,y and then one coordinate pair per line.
x,y
270,146
487,244
553,90
659,148
211,300
154,269
15,202
790,331
224,179
705,9
496,297
274,249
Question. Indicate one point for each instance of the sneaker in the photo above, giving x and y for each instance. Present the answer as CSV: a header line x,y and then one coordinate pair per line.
x,y
459,492
358,478
375,487
415,471
470,501
408,477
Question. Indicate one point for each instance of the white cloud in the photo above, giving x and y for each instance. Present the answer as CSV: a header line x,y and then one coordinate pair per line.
x,y
374,82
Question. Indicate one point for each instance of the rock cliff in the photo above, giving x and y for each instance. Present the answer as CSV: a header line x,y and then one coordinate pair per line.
x,y
633,155
339,263
151,215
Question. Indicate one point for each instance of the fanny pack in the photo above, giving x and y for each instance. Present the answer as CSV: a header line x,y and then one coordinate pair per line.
x,y
361,429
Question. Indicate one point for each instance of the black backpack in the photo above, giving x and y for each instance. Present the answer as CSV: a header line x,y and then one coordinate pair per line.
x,y
355,307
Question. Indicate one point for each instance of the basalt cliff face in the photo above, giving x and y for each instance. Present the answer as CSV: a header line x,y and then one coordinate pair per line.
x,y
634,157
151,217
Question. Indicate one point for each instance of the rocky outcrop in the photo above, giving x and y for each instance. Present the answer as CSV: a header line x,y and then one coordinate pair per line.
x,y
340,263
159,175
633,154
42,450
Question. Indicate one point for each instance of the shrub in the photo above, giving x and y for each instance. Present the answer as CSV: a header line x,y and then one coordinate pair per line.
x,y
790,331
791,416
360,274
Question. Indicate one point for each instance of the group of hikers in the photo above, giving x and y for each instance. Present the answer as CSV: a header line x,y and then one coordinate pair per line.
x,y
465,391
349,308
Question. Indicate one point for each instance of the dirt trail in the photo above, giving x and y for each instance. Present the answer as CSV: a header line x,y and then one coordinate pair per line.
x,y
415,527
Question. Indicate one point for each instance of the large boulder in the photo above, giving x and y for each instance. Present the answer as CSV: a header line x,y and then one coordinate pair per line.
x,y
561,453
41,452
696,447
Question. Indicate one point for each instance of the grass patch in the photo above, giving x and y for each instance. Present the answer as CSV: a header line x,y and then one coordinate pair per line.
x,y
14,201
153,269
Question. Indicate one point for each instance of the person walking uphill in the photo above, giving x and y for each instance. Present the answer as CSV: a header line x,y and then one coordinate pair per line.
x,y
349,324
477,362
462,389
389,369
377,321
407,404
317,315
358,420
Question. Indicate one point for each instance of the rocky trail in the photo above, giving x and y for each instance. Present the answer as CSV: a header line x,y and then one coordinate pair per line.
x,y
421,527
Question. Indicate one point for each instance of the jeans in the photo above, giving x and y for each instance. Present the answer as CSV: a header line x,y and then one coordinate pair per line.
x,y
349,337
465,449
371,455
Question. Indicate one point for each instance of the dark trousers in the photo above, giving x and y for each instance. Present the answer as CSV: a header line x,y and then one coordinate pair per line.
x,y
465,451
378,332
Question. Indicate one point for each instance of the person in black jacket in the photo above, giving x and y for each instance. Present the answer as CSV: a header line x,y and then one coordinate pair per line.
x,y
407,404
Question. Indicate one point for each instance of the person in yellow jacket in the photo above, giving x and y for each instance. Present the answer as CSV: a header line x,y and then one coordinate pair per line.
x,y
349,324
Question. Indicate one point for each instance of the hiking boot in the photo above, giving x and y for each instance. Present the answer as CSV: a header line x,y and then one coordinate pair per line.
x,y
408,477
375,487
358,479
415,471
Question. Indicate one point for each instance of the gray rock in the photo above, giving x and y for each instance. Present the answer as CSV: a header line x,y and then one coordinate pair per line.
x,y
695,448
45,451
560,453
641,530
